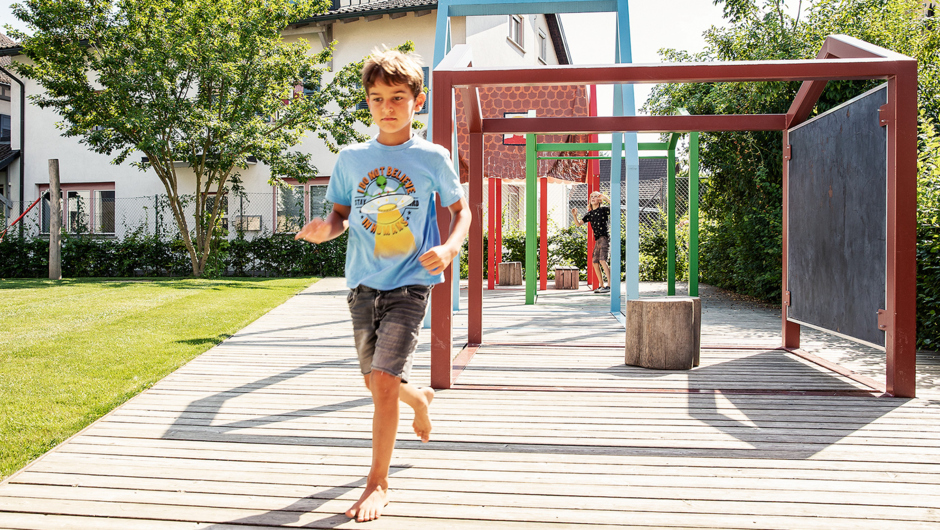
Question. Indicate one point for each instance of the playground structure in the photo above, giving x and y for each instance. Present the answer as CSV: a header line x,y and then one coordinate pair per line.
x,y
533,262
841,58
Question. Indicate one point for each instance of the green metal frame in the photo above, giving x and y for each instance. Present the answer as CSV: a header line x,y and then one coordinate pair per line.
x,y
532,150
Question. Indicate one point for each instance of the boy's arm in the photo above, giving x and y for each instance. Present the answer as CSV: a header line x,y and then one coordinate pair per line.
x,y
320,230
436,259
605,198
574,212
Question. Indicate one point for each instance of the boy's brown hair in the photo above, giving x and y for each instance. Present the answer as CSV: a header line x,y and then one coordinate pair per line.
x,y
393,67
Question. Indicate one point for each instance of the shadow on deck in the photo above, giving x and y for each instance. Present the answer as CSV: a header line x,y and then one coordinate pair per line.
x,y
545,428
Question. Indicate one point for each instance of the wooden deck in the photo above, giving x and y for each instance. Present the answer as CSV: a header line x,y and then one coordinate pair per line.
x,y
545,428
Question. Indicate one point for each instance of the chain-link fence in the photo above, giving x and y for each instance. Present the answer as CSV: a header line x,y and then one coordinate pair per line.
x,y
287,209
563,197
100,213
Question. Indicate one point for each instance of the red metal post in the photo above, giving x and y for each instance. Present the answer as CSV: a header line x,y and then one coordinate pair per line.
x,y
442,295
491,234
900,335
593,183
543,233
593,281
790,330
499,225
475,245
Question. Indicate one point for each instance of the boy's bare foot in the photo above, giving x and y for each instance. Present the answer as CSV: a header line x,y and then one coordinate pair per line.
x,y
422,423
370,506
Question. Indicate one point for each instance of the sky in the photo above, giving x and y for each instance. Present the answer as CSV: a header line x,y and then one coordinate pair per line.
x,y
654,25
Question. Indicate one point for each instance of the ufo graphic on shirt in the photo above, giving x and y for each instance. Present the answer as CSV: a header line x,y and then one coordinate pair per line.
x,y
381,214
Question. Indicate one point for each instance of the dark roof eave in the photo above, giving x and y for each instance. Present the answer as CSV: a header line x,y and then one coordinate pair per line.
x,y
559,41
9,159
11,51
328,17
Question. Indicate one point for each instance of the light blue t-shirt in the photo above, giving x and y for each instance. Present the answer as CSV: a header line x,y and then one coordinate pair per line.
x,y
392,219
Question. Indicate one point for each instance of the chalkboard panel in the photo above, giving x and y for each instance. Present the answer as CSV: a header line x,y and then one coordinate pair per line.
x,y
837,220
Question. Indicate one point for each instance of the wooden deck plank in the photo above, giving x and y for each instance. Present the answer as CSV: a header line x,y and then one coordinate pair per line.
x,y
546,428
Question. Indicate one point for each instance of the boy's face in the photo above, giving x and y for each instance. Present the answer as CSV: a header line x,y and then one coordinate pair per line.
x,y
393,108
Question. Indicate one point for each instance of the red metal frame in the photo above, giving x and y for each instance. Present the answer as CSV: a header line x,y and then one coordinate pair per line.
x,y
491,239
593,184
841,58
543,233
499,226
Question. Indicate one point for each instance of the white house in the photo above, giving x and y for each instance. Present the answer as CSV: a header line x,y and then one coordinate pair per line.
x,y
111,200
7,154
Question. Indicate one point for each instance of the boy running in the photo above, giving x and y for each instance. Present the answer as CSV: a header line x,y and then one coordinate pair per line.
x,y
383,190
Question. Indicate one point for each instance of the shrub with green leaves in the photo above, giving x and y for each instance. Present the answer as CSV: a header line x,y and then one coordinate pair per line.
x,y
928,237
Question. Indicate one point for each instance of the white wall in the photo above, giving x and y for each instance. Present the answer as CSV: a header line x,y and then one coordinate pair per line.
x,y
487,36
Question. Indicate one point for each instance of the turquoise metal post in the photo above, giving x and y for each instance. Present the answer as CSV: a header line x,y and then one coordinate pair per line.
x,y
616,153
442,45
456,263
693,214
531,218
624,99
671,215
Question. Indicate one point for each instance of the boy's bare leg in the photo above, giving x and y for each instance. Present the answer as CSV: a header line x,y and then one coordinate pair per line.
x,y
385,395
606,271
597,274
419,399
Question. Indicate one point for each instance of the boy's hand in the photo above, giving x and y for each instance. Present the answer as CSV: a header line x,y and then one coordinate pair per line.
x,y
316,231
437,259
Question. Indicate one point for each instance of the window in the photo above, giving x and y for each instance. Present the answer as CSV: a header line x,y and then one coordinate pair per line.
x,y
5,92
296,203
86,208
78,204
311,86
427,88
223,215
4,129
104,212
290,208
515,30
543,47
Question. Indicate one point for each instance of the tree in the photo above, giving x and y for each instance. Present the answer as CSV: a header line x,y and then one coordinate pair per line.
x,y
741,239
197,86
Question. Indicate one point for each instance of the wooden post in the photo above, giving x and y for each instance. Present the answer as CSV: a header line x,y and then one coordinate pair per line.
x,y
55,221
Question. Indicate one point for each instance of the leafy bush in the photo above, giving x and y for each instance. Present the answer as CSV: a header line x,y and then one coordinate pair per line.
x,y
566,247
140,254
928,238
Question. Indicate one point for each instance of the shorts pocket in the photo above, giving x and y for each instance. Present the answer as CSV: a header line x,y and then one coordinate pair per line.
x,y
419,292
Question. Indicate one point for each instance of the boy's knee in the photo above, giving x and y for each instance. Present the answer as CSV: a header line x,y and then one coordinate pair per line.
x,y
383,383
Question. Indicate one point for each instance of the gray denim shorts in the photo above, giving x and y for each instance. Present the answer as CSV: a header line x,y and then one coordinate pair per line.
x,y
386,326
601,249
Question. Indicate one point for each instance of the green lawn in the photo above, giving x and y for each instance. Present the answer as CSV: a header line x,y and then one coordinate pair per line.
x,y
72,350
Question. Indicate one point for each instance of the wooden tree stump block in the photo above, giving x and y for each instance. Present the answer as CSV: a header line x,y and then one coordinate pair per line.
x,y
664,333
567,277
510,273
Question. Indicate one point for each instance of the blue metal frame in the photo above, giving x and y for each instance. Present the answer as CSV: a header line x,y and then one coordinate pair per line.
x,y
624,105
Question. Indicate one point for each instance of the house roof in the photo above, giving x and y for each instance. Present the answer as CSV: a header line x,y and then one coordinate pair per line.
x,y
359,8
7,155
6,42
650,169
365,8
